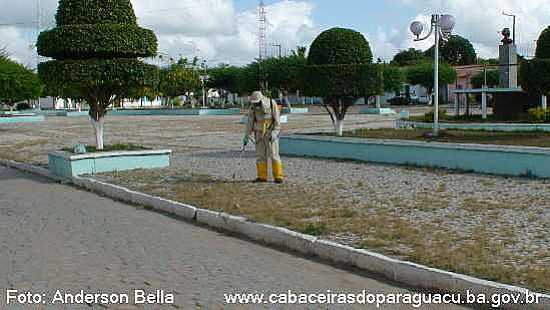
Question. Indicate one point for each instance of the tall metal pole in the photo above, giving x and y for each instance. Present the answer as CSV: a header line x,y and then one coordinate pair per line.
x,y
38,24
436,76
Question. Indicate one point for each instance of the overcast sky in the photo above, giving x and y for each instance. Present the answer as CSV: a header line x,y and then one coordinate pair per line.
x,y
226,30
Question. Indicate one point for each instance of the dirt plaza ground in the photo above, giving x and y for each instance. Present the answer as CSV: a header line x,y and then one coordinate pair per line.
x,y
487,226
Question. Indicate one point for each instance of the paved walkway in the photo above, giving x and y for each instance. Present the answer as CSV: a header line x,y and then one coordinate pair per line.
x,y
54,236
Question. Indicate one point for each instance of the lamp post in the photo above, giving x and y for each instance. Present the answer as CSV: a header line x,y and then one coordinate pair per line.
x,y
514,25
204,77
442,26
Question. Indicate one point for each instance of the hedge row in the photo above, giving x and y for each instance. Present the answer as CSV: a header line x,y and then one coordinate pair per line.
x,y
111,75
78,12
102,40
344,80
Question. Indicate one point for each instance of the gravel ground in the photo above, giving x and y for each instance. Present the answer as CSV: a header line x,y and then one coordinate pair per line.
x,y
503,222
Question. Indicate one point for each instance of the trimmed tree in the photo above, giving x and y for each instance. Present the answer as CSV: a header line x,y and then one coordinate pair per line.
x,y
17,83
423,75
340,70
96,47
535,74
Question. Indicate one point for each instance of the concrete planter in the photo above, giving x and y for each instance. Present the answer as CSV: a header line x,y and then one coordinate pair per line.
x,y
283,119
176,112
491,159
77,113
21,118
295,110
67,165
476,126
377,111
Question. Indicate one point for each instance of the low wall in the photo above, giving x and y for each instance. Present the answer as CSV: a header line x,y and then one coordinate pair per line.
x,y
377,111
176,112
67,165
476,126
500,160
283,119
295,110
22,118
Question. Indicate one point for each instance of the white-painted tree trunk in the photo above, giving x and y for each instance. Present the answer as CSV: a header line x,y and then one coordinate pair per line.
x,y
98,126
339,127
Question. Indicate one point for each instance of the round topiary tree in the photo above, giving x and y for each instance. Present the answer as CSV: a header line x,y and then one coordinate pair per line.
x,y
340,70
535,74
96,48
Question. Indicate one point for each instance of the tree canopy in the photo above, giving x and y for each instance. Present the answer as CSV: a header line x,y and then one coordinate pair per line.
x,y
179,79
456,51
543,45
17,83
423,75
535,74
409,57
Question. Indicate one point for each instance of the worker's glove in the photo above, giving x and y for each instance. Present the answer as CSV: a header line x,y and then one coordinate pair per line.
x,y
245,140
274,136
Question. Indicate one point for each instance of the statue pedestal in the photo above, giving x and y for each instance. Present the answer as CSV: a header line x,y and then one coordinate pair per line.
x,y
508,66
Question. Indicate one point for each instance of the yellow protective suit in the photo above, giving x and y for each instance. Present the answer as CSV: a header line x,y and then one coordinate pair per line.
x,y
265,124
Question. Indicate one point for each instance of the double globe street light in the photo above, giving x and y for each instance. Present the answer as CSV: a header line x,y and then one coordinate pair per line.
x,y
442,26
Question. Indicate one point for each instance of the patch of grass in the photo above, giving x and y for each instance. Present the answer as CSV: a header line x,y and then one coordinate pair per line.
x,y
314,229
537,138
112,148
385,229
428,202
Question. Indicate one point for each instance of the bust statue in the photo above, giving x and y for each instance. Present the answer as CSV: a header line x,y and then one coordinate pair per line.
x,y
506,34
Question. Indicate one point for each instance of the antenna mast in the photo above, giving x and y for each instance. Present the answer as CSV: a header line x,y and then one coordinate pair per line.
x,y
262,31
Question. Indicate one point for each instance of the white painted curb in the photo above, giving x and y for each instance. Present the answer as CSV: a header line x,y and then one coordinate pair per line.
x,y
406,273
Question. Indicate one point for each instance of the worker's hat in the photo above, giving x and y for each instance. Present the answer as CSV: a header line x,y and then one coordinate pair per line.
x,y
256,97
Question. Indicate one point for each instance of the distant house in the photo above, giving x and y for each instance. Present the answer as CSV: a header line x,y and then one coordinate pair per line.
x,y
463,81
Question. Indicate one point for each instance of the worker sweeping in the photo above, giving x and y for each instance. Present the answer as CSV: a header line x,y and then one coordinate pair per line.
x,y
264,123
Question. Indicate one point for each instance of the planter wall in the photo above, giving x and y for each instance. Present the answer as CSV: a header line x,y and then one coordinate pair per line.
x,y
67,165
295,110
22,118
377,111
283,119
176,112
476,126
500,160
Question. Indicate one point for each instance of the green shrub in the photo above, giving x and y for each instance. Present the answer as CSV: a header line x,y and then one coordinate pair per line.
x,y
539,115
429,117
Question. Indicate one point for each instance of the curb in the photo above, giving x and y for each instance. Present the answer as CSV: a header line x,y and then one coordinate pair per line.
x,y
406,273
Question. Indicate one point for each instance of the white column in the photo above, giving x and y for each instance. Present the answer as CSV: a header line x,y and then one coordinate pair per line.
x,y
544,104
484,105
